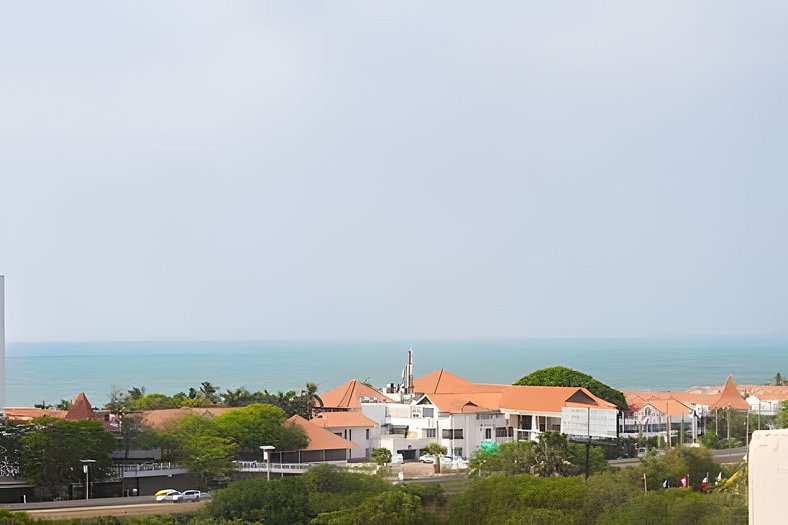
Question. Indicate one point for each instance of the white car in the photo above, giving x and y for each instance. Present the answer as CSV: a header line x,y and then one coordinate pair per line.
x,y
187,495
166,495
396,459
427,458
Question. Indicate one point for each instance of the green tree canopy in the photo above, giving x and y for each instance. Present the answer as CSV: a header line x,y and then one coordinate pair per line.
x,y
259,424
381,456
52,449
563,376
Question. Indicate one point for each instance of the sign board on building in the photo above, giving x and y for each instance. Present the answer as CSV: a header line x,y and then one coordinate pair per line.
x,y
593,422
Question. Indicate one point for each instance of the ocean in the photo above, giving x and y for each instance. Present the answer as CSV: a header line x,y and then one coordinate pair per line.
x,y
37,372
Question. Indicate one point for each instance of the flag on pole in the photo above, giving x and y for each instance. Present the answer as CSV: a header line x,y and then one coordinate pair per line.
x,y
684,482
705,483
666,484
719,478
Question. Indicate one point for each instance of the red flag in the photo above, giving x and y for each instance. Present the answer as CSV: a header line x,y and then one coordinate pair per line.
x,y
684,482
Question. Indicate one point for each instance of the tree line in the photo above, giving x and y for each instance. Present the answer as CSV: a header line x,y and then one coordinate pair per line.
x,y
327,495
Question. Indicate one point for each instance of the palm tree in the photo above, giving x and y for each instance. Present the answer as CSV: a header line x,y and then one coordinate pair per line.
x,y
209,392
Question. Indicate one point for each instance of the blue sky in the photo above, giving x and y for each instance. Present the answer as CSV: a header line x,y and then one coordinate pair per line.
x,y
345,170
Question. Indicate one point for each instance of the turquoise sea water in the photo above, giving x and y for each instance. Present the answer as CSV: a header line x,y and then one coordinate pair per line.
x,y
54,371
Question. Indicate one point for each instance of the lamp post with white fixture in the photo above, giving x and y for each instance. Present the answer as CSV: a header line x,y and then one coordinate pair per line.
x,y
86,468
267,456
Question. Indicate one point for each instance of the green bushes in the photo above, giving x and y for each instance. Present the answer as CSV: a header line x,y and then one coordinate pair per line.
x,y
498,498
333,495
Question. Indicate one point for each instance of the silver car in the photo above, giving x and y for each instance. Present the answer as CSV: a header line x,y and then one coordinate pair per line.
x,y
187,495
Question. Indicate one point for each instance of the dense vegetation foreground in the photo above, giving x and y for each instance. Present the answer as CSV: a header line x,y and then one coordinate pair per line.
x,y
327,495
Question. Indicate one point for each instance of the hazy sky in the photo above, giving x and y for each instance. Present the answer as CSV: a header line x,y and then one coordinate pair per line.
x,y
245,170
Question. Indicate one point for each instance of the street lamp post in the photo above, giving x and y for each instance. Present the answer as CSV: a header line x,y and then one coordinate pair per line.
x,y
86,468
267,456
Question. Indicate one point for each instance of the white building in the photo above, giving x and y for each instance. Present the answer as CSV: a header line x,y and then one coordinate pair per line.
x,y
444,408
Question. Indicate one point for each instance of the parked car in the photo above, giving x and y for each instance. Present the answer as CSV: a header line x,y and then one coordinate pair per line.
x,y
166,495
397,458
187,495
427,458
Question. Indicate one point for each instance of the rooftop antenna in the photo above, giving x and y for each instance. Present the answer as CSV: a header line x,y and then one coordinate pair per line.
x,y
410,371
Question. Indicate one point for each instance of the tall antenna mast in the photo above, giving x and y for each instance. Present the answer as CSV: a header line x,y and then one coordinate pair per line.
x,y
410,371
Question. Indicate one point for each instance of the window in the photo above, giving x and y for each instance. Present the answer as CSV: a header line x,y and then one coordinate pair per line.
x,y
488,433
431,432
367,436
452,433
500,432
428,412
458,452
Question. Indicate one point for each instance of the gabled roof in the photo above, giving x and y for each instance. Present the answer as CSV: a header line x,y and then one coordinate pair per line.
x,y
320,438
670,406
451,393
465,403
730,397
349,395
80,409
342,420
688,398
550,398
766,392
442,382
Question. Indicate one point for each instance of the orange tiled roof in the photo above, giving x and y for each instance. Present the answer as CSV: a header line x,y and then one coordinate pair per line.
x,y
21,414
766,392
80,409
342,420
691,398
730,397
320,438
443,382
669,406
464,403
451,393
727,397
348,395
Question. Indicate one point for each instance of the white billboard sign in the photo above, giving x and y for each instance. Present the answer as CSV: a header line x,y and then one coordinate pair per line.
x,y
593,422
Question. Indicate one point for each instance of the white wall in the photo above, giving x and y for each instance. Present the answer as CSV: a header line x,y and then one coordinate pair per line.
x,y
768,477
358,435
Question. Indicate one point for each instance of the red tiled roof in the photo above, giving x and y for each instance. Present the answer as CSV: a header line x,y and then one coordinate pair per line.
x,y
21,414
766,392
80,409
727,397
451,393
342,420
730,397
348,395
670,406
320,438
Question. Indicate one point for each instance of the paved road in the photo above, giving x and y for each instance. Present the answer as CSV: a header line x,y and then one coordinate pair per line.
x,y
728,455
114,510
